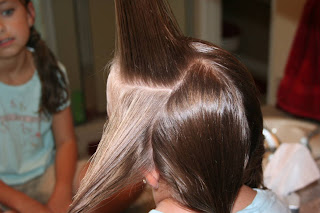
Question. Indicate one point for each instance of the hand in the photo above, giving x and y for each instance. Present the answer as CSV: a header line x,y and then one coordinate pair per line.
x,y
59,201
57,205
19,202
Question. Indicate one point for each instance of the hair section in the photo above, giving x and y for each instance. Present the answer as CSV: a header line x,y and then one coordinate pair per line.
x,y
124,151
202,140
150,46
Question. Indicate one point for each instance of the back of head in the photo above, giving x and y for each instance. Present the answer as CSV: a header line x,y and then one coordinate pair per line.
x,y
182,106
204,136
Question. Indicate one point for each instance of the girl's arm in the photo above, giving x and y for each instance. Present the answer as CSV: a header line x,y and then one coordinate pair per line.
x,y
18,201
65,161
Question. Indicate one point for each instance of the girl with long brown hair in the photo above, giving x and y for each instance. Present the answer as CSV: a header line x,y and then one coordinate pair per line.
x,y
184,116
36,130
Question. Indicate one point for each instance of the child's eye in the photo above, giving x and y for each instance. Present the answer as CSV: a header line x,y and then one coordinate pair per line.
x,y
8,12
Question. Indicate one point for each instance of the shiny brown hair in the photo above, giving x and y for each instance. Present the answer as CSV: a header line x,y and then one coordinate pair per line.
x,y
54,89
179,105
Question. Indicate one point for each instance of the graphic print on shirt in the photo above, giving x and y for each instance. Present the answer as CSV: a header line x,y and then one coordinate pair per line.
x,y
19,120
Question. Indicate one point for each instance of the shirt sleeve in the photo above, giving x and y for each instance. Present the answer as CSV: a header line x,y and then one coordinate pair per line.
x,y
67,103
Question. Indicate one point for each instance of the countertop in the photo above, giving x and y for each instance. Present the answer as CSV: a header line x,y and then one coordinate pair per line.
x,y
310,195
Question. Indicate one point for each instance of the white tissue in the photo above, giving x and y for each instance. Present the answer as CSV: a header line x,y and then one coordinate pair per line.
x,y
291,168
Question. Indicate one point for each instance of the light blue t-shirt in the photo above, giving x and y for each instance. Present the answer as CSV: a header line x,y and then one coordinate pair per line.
x,y
26,139
264,202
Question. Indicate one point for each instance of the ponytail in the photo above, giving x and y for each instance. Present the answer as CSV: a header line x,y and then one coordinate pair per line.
x,y
54,92
144,26
54,89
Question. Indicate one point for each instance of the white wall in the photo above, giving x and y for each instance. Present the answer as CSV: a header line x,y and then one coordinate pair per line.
x,y
284,22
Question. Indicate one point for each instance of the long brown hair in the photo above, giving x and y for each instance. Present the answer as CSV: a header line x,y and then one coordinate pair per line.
x,y
54,89
180,105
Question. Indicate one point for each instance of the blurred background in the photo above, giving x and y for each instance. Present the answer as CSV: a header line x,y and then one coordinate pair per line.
x,y
258,32
81,33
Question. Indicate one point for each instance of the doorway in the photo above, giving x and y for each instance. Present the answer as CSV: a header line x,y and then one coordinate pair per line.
x,y
245,33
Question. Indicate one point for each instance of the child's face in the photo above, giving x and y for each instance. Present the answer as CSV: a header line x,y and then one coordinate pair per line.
x,y
15,23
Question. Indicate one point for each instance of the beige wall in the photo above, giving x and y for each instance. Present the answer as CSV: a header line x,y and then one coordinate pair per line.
x,y
284,22
66,40
178,8
103,35
102,24
207,20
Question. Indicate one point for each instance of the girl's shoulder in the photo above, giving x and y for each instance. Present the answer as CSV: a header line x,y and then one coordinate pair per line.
x,y
266,201
62,67
64,71
154,211
18,86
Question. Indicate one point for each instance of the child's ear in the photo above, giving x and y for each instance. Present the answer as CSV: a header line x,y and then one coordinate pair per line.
x,y
152,178
31,14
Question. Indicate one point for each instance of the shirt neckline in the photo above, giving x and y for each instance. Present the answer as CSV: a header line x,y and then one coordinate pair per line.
x,y
9,86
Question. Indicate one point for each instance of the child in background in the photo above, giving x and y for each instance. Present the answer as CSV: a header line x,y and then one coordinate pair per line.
x,y
38,152
36,127
183,116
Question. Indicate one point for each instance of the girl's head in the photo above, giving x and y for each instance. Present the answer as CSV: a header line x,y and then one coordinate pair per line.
x,y
182,112
15,21
204,137
16,34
